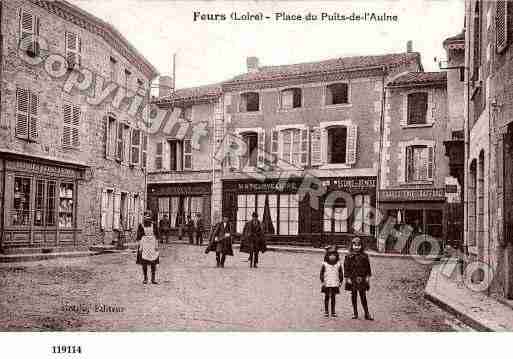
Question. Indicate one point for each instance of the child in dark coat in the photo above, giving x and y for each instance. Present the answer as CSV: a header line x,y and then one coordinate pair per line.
x,y
357,272
331,279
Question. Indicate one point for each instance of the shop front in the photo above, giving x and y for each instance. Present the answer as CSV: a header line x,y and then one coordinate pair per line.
x,y
290,214
424,210
178,201
39,204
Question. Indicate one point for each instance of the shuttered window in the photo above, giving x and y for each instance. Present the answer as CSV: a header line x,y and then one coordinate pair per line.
x,y
27,107
187,154
120,142
419,163
275,144
144,151
29,30
158,155
316,147
71,128
501,21
417,108
136,146
73,50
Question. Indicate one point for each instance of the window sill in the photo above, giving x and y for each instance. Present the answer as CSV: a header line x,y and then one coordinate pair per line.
x,y
418,125
416,183
339,106
335,166
294,109
250,113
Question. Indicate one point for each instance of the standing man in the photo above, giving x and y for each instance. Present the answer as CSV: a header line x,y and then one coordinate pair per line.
x,y
164,226
221,241
189,225
253,236
198,229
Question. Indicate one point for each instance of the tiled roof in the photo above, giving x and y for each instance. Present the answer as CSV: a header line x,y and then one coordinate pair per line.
x,y
193,94
419,78
337,64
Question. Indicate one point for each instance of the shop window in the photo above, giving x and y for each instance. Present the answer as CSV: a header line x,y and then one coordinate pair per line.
x,y
71,128
434,223
251,156
250,102
362,212
291,98
289,214
73,50
336,217
266,206
174,211
419,163
337,94
29,30
21,205
39,203
27,108
337,144
50,203
417,108
66,205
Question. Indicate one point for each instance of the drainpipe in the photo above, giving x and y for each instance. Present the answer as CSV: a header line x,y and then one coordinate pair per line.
x,y
381,130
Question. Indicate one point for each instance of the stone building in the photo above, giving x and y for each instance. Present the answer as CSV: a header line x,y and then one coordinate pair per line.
x,y
72,163
489,137
304,134
413,163
183,180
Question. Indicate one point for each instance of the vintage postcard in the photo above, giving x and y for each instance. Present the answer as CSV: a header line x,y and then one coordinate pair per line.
x,y
255,166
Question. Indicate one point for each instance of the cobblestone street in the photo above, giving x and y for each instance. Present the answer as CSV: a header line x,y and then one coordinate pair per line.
x,y
282,294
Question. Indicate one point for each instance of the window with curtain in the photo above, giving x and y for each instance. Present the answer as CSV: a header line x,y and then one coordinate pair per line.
x,y
419,163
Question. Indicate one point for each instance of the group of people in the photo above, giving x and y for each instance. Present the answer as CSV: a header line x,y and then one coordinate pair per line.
x,y
193,227
356,270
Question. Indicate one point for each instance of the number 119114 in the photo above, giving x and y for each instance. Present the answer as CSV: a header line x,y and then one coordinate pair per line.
x,y
66,349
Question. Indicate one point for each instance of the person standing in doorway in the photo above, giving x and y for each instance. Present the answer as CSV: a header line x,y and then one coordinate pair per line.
x,y
357,272
253,236
198,229
221,241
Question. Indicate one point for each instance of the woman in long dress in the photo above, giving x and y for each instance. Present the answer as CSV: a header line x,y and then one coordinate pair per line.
x,y
147,251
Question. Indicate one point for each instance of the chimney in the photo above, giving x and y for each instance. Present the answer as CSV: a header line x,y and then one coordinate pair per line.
x,y
409,46
165,85
252,63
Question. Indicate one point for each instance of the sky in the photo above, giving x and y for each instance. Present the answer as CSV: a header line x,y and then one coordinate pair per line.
x,y
213,51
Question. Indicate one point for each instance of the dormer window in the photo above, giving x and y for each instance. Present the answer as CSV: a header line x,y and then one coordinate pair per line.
x,y
291,98
337,94
250,102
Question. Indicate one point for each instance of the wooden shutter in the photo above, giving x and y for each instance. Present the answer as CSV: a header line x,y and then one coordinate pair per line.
x,y
136,144
33,120
305,144
107,137
22,113
316,147
116,210
73,50
130,211
430,163
351,144
29,30
120,146
187,154
144,151
158,155
261,148
67,110
409,164
275,145
103,209
501,21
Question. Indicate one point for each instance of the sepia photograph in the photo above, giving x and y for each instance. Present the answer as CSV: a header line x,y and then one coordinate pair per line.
x,y
255,166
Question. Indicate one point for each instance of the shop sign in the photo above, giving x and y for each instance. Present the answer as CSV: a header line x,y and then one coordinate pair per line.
x,y
429,194
281,187
349,183
181,190
41,169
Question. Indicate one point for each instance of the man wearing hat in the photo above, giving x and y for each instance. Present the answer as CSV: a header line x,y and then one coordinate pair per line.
x,y
253,236
221,241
